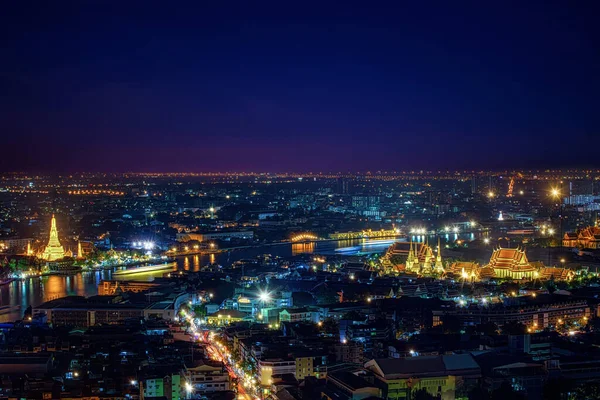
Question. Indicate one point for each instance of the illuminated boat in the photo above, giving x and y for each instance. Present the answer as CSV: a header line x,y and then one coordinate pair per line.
x,y
145,269
347,249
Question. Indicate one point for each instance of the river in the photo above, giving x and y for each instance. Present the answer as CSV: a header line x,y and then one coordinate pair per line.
x,y
18,295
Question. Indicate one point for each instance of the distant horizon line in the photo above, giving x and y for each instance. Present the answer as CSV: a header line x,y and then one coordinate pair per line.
x,y
310,173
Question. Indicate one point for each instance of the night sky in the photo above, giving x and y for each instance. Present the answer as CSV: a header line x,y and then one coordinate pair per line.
x,y
324,86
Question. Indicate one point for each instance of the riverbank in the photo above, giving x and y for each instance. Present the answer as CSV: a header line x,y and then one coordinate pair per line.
x,y
204,252
164,258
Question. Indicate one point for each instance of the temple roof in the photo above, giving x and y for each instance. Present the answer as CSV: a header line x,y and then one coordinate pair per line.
x,y
509,258
589,233
403,248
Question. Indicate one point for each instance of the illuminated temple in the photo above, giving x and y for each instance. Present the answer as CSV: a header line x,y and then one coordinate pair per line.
x,y
587,238
54,250
512,263
420,258
509,264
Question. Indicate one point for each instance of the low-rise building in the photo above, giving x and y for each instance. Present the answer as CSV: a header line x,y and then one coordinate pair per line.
x,y
537,312
352,385
275,366
81,312
295,315
169,387
439,375
207,377
226,317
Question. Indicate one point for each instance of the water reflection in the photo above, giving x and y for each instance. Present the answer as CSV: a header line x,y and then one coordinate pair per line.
x,y
20,294
303,248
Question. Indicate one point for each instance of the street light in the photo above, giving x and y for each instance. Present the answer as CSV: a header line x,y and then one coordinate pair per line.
x,y
555,193
264,297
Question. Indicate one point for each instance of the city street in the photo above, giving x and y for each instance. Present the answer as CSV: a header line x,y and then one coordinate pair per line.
x,y
218,352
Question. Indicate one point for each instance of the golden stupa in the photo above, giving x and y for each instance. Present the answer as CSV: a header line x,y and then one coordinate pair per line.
x,y
54,250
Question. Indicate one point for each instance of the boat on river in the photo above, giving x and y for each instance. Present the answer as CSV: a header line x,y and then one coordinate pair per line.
x,y
145,269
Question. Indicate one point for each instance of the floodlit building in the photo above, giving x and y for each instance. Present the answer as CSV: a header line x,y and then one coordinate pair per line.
x,y
587,238
276,366
225,317
511,263
54,250
420,257
295,315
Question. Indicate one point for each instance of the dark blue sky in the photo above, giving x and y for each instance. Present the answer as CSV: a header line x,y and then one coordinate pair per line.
x,y
205,86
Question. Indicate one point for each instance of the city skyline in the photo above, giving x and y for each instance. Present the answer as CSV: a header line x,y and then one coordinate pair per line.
x,y
296,201
95,87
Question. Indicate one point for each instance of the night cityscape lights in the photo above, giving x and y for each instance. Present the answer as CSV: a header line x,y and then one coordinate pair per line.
x,y
251,201
326,263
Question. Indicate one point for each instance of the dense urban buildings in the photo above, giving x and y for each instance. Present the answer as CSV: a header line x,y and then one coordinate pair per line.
x,y
287,201
282,286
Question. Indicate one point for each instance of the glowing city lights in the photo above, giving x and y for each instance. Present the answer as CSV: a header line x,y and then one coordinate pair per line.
x,y
264,297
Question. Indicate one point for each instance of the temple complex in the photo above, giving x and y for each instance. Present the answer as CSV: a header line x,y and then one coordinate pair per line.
x,y
420,258
511,263
54,250
586,238
470,271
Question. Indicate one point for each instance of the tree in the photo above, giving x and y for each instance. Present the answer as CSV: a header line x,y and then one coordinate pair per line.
x,y
331,326
327,296
557,389
550,285
200,311
422,394
588,390
505,391
478,393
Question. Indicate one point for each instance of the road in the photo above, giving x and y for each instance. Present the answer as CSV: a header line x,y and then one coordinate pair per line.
x,y
218,352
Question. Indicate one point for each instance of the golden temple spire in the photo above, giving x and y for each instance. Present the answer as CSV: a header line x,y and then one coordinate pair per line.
x,y
79,250
439,265
54,250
